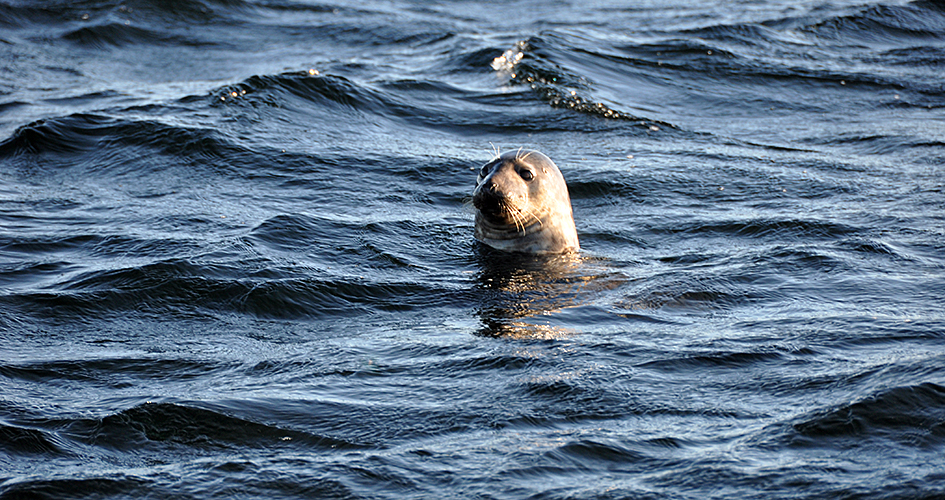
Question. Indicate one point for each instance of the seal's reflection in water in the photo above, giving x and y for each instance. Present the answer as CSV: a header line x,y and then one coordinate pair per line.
x,y
518,289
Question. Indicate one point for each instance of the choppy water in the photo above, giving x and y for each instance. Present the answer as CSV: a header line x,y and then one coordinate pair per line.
x,y
236,253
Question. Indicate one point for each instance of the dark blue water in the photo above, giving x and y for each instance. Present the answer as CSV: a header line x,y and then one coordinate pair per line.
x,y
236,252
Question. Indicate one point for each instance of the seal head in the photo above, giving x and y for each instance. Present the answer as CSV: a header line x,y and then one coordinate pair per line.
x,y
522,205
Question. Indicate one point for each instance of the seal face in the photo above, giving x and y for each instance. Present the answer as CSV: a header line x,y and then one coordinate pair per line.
x,y
522,205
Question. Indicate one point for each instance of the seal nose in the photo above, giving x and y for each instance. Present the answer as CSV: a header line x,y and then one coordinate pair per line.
x,y
492,187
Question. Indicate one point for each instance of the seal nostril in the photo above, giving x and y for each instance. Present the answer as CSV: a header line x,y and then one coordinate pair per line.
x,y
493,187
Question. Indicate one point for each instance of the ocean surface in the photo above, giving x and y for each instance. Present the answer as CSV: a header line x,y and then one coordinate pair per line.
x,y
237,255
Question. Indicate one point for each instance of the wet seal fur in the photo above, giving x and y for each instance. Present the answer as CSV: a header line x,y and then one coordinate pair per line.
x,y
522,205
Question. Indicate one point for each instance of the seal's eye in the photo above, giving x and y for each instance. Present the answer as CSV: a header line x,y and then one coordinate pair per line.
x,y
526,174
485,170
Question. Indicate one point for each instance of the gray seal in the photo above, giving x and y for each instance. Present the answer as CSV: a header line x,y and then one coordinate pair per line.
x,y
522,205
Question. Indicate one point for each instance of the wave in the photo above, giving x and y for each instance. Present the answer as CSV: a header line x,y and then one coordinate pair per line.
x,y
525,65
310,87
107,372
172,423
427,103
723,360
743,69
24,15
151,425
580,453
119,34
914,21
143,431
88,133
16,440
181,289
132,453
113,485
911,415
180,131
297,267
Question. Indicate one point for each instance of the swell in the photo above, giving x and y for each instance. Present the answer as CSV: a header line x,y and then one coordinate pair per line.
x,y
408,102
143,151
158,428
117,34
307,88
290,267
528,64
83,134
115,372
190,426
913,416
757,64
110,485
918,21
183,289
195,11
23,441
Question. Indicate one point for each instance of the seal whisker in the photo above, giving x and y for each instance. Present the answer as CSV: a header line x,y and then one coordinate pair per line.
x,y
519,220
496,152
523,158
524,217
515,215
533,215
512,214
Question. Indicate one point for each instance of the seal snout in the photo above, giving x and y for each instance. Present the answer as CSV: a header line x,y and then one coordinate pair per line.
x,y
489,199
499,189
487,190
